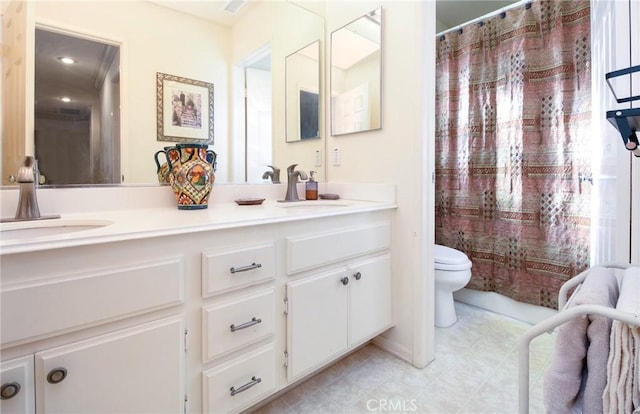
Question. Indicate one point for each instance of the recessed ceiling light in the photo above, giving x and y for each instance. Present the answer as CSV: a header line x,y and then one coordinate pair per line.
x,y
67,60
65,99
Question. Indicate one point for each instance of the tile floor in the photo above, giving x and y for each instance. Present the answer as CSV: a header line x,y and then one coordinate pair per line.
x,y
475,371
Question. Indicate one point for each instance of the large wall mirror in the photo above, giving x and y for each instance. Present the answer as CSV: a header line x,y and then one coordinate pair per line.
x,y
204,50
356,75
302,93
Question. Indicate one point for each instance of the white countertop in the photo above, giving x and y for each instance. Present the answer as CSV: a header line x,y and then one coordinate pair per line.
x,y
163,221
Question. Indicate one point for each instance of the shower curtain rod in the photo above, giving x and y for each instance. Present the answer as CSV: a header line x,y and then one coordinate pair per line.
x,y
486,16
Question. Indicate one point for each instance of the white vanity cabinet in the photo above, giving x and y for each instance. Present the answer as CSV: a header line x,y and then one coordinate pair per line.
x,y
239,323
93,329
339,306
129,371
201,320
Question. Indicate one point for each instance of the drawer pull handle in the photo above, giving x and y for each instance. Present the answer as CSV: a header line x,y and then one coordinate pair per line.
x,y
253,321
357,275
56,375
345,281
246,386
245,268
9,390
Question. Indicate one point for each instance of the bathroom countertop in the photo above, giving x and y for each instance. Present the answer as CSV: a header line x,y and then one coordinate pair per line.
x,y
154,222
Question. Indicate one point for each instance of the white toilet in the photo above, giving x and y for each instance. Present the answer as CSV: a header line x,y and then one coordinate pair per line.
x,y
452,272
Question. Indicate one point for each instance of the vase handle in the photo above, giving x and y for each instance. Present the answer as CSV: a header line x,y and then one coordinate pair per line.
x,y
155,158
211,158
167,150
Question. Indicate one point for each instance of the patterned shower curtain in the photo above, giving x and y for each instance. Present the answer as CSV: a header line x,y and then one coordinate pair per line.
x,y
513,109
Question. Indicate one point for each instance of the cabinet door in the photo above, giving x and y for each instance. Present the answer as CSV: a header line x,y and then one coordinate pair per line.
x,y
370,298
317,320
16,379
135,370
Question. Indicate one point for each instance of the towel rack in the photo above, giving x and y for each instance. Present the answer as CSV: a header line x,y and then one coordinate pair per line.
x,y
564,315
626,121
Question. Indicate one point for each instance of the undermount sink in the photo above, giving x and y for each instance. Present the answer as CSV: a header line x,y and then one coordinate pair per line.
x,y
41,228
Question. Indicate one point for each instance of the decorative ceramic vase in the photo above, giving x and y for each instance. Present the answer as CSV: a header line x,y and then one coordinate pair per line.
x,y
163,170
191,175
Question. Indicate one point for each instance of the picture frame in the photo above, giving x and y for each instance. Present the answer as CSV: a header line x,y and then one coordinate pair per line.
x,y
184,109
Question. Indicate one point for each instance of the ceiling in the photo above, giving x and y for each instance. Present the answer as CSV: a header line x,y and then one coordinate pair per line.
x,y
451,13
213,10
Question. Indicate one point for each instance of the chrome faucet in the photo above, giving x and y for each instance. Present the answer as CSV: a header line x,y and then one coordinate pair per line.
x,y
28,177
292,180
273,175
28,180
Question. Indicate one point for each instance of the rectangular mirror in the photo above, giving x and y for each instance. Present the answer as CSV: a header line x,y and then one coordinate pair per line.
x,y
302,93
217,41
356,75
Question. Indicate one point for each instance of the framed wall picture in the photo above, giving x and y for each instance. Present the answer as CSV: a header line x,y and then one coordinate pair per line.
x,y
184,109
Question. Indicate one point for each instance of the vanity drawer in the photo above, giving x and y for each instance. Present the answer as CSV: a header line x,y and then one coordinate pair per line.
x,y
314,250
230,269
238,322
45,307
238,384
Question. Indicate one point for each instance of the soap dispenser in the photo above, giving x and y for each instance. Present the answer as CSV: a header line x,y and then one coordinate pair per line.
x,y
311,188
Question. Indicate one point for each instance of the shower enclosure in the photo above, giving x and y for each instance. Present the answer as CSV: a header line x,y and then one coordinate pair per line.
x,y
524,175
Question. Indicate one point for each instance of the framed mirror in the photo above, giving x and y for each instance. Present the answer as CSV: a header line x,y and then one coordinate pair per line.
x,y
302,93
356,75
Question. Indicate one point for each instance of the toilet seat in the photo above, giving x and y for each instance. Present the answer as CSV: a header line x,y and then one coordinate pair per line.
x,y
446,258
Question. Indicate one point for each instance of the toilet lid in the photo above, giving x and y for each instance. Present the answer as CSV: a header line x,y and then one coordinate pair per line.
x,y
447,255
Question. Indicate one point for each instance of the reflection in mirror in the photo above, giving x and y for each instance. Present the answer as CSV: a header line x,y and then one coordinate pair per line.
x,y
356,80
217,41
302,93
77,109
256,114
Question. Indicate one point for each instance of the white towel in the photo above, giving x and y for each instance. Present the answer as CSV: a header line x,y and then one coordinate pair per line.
x,y
576,377
622,392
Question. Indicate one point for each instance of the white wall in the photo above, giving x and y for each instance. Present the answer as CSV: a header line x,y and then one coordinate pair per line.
x,y
151,41
400,153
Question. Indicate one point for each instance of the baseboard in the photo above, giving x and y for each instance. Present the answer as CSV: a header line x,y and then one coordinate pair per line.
x,y
393,347
503,305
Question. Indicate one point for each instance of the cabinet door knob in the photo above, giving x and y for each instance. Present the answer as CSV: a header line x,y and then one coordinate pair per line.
x,y
345,280
9,390
56,375
357,275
